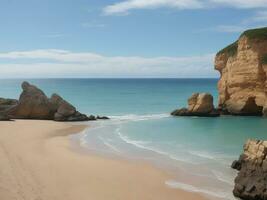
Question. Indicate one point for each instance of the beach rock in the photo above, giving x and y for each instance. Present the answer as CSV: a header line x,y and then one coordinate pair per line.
x,y
181,112
32,104
64,111
92,118
4,116
198,105
102,117
6,104
251,181
243,68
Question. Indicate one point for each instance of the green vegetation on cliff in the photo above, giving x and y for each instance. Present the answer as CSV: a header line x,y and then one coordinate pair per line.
x,y
230,50
259,33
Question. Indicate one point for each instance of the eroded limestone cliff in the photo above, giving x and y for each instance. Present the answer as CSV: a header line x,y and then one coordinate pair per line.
x,y
251,181
243,67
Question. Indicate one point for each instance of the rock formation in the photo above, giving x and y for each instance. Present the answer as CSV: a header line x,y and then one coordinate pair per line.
x,y
64,111
198,105
5,106
34,104
251,181
243,67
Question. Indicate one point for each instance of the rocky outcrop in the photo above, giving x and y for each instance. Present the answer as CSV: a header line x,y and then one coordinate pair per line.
x,y
34,104
64,111
198,105
243,68
102,117
4,116
5,106
251,181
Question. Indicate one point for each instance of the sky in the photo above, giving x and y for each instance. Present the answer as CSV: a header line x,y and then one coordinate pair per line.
x,y
120,38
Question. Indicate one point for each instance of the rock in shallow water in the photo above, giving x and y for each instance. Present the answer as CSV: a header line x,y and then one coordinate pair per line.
x,y
102,117
200,105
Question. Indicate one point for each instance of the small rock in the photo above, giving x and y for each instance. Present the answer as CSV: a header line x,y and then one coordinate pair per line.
x,y
102,117
200,105
91,118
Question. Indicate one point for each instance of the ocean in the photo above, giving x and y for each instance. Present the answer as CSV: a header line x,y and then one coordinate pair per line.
x,y
198,152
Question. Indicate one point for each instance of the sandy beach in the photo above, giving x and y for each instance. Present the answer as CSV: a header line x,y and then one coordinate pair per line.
x,y
38,162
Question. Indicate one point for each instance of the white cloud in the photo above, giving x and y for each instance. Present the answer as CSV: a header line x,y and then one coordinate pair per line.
x,y
61,63
53,35
93,24
123,7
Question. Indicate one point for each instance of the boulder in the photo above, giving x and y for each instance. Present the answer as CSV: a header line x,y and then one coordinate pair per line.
x,y
92,118
64,111
251,181
32,104
198,105
7,104
4,116
102,117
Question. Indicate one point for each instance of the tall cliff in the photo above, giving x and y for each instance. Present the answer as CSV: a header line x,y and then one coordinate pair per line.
x,y
243,67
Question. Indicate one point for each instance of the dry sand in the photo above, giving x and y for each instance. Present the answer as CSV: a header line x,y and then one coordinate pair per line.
x,y
37,162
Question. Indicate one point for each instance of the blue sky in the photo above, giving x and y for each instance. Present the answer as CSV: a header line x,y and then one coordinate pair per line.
x,y
120,38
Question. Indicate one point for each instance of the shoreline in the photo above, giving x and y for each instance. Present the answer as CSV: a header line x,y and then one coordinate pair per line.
x,y
39,162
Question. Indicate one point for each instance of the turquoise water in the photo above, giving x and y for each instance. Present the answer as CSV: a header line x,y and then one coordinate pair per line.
x,y
197,151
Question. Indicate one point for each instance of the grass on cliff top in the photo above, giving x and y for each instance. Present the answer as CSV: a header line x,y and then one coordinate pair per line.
x,y
230,50
264,59
259,33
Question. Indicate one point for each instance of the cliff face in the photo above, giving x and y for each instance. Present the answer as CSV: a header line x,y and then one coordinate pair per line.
x,y
250,183
243,68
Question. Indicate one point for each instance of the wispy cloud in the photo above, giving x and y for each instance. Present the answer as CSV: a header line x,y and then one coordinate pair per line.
x,y
61,63
53,35
123,7
93,24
